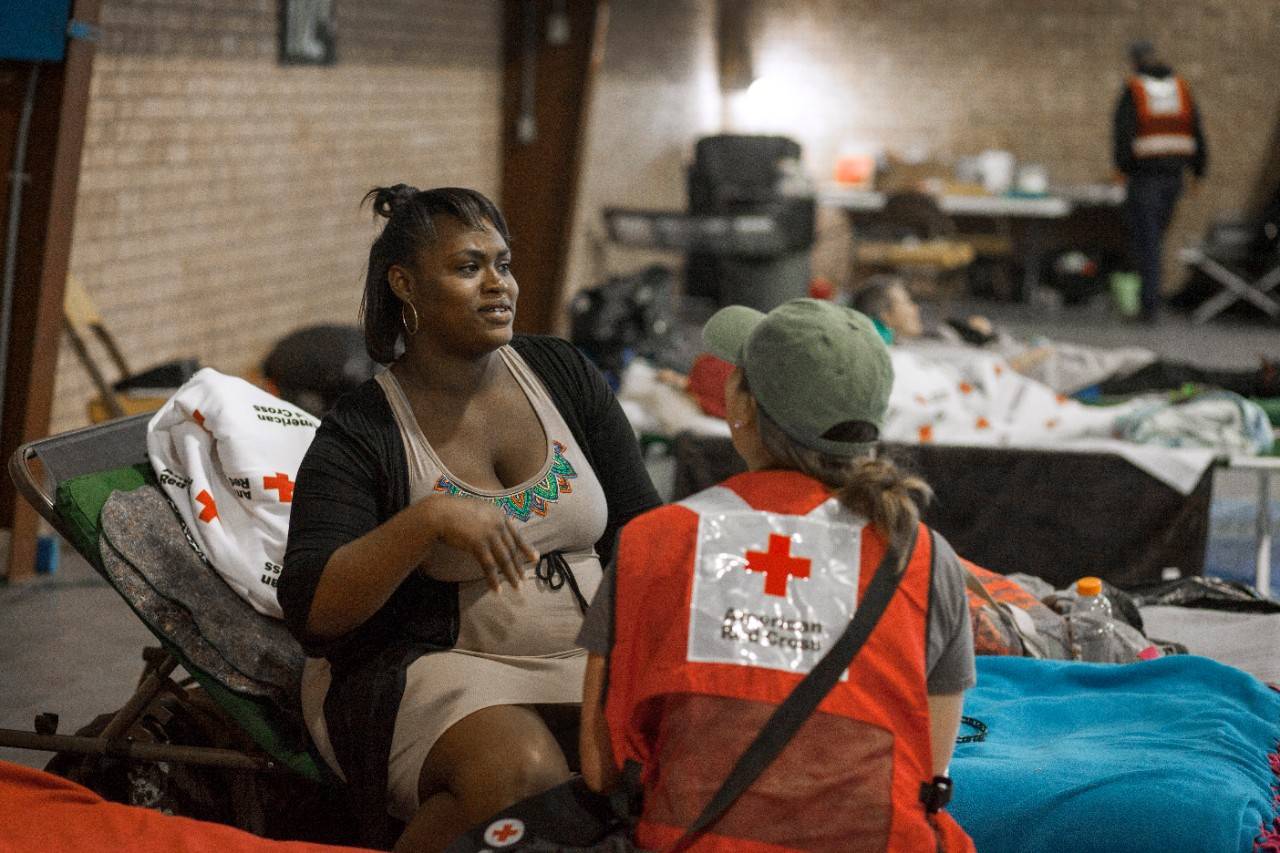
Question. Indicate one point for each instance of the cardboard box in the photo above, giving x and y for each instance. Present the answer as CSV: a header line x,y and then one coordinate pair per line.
x,y
923,176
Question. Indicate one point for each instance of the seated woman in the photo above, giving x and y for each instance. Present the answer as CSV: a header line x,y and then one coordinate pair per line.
x,y
718,604
447,529
1065,367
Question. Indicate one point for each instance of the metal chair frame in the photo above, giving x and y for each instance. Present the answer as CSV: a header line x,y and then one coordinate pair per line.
x,y
37,468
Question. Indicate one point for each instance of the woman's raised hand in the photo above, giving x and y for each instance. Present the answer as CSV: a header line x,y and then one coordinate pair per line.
x,y
483,531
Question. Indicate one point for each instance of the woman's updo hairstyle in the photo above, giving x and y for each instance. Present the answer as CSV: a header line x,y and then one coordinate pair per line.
x,y
410,229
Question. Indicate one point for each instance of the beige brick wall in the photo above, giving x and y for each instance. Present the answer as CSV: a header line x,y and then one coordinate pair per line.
x,y
1037,78
219,190
953,78
218,199
656,94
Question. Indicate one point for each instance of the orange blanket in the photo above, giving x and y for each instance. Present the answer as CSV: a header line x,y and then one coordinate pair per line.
x,y
40,811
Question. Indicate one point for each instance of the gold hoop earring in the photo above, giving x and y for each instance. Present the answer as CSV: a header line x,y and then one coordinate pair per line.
x,y
405,322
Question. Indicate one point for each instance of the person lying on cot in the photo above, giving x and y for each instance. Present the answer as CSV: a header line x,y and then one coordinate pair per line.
x,y
717,606
447,531
1066,367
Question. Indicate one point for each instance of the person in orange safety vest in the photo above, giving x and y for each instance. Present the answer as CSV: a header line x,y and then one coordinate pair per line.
x,y
1156,137
717,606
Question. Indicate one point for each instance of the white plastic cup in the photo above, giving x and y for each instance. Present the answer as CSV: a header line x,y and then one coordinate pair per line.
x,y
997,169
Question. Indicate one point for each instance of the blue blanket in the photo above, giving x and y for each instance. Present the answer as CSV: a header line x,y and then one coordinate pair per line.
x,y
1169,755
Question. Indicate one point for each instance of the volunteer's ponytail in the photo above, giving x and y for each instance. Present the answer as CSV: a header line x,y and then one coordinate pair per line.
x,y
886,496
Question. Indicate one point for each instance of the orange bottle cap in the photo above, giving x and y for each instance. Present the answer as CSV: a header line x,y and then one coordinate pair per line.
x,y
1089,586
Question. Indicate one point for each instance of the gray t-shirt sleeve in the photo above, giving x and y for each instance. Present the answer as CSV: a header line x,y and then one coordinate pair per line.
x,y
949,660
949,655
596,634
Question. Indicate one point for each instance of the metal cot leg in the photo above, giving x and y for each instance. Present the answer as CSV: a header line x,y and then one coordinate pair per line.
x,y
1235,288
1262,579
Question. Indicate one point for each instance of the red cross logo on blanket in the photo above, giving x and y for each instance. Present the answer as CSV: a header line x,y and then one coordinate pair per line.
x,y
777,564
504,833
210,511
282,483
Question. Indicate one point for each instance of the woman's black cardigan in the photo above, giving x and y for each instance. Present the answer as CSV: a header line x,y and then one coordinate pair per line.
x,y
355,477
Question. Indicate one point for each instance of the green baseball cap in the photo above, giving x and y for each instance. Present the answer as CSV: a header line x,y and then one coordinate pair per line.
x,y
811,365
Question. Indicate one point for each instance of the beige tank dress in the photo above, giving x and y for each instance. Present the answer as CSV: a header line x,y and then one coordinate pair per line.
x,y
515,647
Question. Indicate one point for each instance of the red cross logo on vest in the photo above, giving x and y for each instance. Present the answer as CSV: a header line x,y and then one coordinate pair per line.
x,y
777,564
504,832
210,511
282,483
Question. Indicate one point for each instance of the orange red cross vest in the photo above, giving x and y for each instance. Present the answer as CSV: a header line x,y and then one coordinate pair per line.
x,y
723,602
1165,126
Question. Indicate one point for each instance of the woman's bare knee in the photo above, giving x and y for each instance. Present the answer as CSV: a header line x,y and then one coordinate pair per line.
x,y
529,767
520,767
493,758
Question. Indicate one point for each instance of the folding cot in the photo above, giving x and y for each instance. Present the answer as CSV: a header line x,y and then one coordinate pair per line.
x,y
1054,514
258,750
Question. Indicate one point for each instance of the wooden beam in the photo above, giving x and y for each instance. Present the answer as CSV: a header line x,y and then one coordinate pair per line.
x,y
552,52
733,45
44,251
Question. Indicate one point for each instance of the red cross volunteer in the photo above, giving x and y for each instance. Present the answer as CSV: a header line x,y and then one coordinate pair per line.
x,y
718,606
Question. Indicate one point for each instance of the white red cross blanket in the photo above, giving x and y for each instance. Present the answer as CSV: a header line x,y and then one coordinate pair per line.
x,y
978,400
227,454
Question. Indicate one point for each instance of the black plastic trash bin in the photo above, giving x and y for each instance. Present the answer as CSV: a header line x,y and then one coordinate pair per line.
x,y
749,228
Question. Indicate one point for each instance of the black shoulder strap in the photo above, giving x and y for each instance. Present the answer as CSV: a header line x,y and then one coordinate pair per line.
x,y
804,699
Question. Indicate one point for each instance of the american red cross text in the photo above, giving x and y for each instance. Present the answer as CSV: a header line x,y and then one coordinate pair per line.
x,y
777,564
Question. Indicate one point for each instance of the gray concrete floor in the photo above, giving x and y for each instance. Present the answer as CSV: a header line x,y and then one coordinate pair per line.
x,y
72,646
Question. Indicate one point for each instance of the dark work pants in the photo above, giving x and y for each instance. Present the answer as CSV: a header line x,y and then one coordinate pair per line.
x,y
1149,205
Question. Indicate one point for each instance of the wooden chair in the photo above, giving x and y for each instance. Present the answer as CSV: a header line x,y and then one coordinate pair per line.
x,y
84,324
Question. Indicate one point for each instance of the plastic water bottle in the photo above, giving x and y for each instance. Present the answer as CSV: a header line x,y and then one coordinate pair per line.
x,y
47,554
1092,632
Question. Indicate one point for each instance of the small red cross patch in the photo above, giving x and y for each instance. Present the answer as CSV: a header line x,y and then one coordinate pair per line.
x,y
210,511
504,833
282,483
777,564
198,418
